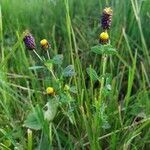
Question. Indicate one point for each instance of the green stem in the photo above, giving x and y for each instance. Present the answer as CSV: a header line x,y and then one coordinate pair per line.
x,y
51,70
103,78
107,2
29,139
37,55
50,133
53,74
48,55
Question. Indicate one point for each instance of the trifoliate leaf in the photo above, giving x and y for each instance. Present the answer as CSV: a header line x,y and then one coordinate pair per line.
x,y
58,59
108,87
49,64
69,71
32,122
73,89
105,125
64,98
92,73
35,119
106,92
51,109
104,117
104,49
97,49
110,51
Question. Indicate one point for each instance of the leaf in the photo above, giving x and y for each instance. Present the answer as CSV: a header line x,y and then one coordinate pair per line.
x,y
105,125
32,122
108,87
104,49
43,143
58,59
49,64
92,73
36,67
51,109
71,116
111,51
106,92
107,77
104,117
63,99
73,89
35,119
69,71
97,49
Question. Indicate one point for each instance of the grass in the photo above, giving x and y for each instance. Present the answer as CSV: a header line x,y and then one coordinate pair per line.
x,y
84,120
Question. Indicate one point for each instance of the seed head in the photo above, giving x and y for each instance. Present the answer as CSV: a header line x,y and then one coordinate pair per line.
x,y
50,91
106,18
44,44
104,38
29,41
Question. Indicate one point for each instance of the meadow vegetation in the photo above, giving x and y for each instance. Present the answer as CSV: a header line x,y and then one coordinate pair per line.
x,y
75,93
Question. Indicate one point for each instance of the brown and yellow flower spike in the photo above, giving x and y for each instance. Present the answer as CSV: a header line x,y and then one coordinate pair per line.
x,y
106,18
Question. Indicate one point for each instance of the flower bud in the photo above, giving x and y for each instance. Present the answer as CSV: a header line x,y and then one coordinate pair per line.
x,y
104,38
44,44
50,91
66,87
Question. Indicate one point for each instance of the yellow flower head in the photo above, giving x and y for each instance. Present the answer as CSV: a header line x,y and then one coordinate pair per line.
x,y
44,44
104,38
50,91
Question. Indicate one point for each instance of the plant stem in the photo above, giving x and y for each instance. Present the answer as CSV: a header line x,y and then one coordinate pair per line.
x,y
103,78
48,54
53,74
50,133
29,139
107,2
37,55
51,70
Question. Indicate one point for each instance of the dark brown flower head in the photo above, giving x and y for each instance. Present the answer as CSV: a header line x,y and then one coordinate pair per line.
x,y
29,41
106,18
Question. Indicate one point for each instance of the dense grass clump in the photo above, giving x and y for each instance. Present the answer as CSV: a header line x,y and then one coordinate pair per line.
x,y
69,91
